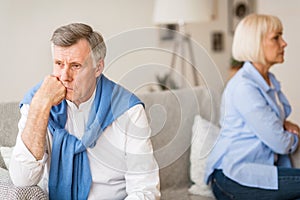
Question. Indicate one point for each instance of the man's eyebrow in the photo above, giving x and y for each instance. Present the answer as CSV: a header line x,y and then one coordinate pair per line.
x,y
75,62
57,60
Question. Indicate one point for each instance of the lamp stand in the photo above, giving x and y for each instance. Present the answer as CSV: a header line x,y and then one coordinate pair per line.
x,y
179,47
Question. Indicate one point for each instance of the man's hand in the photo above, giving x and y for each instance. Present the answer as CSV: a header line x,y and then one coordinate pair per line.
x,y
291,127
52,91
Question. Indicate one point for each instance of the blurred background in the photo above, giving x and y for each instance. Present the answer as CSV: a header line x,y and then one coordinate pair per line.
x,y
140,46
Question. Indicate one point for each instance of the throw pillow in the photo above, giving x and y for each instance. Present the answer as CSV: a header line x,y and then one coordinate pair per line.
x,y
204,137
6,153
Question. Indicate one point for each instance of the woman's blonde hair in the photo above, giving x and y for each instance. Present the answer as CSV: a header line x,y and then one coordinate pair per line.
x,y
249,34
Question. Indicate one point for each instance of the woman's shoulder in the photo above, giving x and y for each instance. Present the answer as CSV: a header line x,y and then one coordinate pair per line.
x,y
240,80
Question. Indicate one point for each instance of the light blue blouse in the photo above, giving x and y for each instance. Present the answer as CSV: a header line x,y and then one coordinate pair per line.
x,y
252,133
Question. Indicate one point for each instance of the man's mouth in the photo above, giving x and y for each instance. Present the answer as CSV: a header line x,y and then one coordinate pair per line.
x,y
69,89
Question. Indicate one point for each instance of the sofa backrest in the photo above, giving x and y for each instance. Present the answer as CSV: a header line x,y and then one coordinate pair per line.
x,y
171,116
9,117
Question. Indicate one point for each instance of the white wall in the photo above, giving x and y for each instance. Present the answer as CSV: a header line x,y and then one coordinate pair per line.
x,y
288,72
26,27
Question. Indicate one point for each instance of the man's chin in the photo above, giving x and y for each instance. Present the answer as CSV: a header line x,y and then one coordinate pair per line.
x,y
69,97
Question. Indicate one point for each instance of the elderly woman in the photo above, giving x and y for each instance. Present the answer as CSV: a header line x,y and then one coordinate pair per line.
x,y
251,158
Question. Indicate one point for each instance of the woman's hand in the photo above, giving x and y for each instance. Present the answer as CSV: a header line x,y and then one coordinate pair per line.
x,y
291,127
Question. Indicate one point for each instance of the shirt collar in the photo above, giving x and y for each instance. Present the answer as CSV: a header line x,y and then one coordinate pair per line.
x,y
257,77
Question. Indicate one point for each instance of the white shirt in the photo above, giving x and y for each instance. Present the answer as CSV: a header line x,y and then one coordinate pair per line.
x,y
122,162
281,110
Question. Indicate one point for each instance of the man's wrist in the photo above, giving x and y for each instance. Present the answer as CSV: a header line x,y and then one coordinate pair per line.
x,y
40,104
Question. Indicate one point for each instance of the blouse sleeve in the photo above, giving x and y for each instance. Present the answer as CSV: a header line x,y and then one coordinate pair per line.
x,y
262,119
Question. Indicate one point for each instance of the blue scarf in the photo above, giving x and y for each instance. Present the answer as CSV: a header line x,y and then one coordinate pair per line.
x,y
70,175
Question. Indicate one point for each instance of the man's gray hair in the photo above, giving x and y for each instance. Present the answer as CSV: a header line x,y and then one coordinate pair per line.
x,y
70,34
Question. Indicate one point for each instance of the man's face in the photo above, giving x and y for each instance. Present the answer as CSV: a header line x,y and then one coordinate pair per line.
x,y
73,66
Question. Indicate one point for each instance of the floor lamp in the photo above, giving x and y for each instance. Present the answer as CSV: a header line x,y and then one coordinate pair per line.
x,y
181,12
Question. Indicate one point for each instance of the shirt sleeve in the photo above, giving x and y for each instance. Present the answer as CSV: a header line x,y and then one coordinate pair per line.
x,y
142,175
24,169
262,119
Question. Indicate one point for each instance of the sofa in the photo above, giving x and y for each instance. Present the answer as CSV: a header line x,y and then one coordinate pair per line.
x,y
9,117
171,116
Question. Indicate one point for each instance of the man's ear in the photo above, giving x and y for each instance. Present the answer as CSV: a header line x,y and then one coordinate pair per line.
x,y
99,68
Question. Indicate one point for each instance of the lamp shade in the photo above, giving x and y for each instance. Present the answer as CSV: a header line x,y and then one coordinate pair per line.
x,y
186,11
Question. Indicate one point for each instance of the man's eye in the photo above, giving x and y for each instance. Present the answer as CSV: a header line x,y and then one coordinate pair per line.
x,y
76,67
58,64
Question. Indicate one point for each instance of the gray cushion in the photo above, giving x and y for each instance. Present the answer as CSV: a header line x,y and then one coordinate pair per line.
x,y
171,116
9,191
9,117
181,194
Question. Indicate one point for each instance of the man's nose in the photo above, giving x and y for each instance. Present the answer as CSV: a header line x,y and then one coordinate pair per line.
x,y
66,74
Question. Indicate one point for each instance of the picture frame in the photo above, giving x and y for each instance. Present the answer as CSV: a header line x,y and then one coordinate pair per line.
x,y
237,10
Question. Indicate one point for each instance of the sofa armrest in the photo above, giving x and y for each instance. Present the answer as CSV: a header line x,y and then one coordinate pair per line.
x,y
9,191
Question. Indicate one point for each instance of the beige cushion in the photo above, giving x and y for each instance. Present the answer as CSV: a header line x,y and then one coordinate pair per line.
x,y
6,153
204,137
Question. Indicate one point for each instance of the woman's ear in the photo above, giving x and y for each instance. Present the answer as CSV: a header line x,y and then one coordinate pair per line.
x,y
99,68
